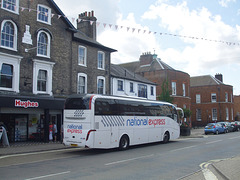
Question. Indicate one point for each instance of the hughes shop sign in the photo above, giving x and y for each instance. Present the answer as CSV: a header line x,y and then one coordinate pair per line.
x,y
26,104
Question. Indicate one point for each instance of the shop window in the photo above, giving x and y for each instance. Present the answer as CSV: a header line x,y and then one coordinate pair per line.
x,y
9,35
44,14
11,5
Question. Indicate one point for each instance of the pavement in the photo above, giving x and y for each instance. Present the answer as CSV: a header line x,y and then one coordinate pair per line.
x,y
224,169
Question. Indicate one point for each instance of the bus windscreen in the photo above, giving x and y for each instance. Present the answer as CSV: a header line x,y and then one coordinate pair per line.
x,y
77,103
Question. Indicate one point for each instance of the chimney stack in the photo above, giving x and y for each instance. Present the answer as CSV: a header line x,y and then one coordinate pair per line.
x,y
146,58
219,76
86,23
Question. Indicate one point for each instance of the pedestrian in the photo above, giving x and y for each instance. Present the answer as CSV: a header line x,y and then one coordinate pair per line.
x,y
55,131
50,131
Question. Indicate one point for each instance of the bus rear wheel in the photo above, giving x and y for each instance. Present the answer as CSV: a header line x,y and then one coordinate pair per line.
x,y
166,137
124,142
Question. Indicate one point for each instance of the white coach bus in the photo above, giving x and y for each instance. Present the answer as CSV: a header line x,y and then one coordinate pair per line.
x,y
99,121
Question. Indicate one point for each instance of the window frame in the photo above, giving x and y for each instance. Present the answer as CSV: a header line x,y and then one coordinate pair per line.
x,y
227,114
120,85
152,90
174,88
214,114
198,114
85,83
16,7
42,65
84,56
198,98
213,100
184,89
131,87
14,48
15,62
48,44
49,14
103,79
42,81
143,94
102,64
226,97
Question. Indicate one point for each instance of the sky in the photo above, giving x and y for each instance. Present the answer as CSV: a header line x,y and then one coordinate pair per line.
x,y
199,37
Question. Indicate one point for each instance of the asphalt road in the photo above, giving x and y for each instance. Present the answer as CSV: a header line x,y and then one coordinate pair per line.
x,y
153,161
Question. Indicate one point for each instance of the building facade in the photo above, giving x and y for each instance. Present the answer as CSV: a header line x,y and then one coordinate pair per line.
x,y
156,71
43,59
212,100
127,83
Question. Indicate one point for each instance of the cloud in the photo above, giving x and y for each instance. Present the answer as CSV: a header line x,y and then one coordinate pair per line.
x,y
108,12
129,39
197,55
224,3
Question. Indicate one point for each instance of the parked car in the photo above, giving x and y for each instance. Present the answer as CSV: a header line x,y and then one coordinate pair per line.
x,y
228,126
236,125
215,128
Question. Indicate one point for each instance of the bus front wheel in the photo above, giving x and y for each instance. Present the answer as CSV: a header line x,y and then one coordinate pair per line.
x,y
166,137
124,142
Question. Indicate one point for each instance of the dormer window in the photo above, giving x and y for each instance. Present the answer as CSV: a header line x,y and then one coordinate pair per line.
x,y
44,14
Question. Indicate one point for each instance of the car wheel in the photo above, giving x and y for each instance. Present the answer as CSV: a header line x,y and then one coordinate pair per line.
x,y
124,142
216,132
166,137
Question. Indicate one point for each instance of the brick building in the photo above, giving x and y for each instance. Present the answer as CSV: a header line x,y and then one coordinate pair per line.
x,y
155,70
43,59
211,100
236,100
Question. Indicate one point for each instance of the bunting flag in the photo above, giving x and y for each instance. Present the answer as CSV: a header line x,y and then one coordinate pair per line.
x,y
119,27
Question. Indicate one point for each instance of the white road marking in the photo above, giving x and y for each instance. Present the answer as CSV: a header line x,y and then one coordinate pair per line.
x,y
40,152
49,175
208,175
235,137
127,160
212,142
183,148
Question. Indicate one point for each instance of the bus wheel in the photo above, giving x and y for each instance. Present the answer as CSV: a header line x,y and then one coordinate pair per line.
x,y
166,137
124,142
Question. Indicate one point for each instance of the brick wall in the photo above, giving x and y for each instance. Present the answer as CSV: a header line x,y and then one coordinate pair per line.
x,y
206,105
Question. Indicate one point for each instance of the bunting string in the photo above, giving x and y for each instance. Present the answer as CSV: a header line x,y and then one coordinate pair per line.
x,y
118,27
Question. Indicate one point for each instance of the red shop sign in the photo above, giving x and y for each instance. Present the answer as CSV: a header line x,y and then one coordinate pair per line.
x,y
26,104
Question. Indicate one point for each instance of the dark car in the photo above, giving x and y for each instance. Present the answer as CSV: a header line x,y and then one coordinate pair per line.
x,y
215,128
236,125
229,127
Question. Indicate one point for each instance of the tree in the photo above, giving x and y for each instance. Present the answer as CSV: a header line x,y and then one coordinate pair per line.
x,y
165,94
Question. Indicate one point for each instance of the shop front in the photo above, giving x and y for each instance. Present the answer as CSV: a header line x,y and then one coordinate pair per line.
x,y
28,118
